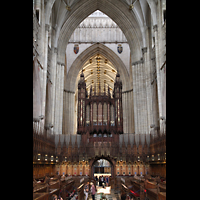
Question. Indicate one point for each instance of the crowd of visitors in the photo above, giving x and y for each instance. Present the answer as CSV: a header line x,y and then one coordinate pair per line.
x,y
102,180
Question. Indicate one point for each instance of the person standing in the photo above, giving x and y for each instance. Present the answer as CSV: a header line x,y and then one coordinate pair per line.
x,y
96,178
106,180
86,190
100,183
93,191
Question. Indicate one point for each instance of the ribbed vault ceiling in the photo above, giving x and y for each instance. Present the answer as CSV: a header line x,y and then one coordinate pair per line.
x,y
130,15
99,71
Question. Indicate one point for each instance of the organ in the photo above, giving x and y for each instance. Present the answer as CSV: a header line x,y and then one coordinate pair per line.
x,y
100,113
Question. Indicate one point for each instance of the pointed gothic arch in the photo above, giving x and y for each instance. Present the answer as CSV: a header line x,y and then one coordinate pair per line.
x,y
89,52
125,20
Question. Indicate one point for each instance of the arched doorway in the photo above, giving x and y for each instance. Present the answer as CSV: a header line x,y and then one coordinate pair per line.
x,y
102,166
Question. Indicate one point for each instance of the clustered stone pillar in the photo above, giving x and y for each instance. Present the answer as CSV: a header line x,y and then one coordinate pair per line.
x,y
53,76
59,86
48,103
127,105
147,67
69,108
125,129
61,97
45,69
155,28
140,100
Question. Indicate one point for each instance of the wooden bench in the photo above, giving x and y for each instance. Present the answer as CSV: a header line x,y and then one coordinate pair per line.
x,y
40,196
162,196
152,193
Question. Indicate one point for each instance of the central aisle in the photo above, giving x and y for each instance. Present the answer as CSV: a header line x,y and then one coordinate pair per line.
x,y
111,196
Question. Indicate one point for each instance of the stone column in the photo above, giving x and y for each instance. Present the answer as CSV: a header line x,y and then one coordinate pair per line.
x,y
139,94
132,112
45,68
142,98
155,28
66,111
61,97
134,66
57,97
129,111
124,112
73,111
69,111
48,103
53,76
148,87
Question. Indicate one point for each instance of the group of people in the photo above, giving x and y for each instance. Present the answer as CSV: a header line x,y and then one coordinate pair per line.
x,y
92,190
103,180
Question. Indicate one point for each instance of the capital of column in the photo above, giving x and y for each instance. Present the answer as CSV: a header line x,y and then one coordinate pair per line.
x,y
162,118
144,50
138,62
152,125
47,27
36,119
61,64
155,28
49,126
41,117
55,50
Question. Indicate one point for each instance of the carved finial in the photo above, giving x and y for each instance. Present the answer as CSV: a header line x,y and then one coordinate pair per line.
x,y
82,75
117,75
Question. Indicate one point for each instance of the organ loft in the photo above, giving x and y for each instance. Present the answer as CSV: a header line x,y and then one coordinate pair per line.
x,y
100,113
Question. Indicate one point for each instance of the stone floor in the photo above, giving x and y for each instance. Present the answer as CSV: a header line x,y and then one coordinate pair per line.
x,y
114,195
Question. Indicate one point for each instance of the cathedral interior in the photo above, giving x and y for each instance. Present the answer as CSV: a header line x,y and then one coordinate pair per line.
x,y
99,98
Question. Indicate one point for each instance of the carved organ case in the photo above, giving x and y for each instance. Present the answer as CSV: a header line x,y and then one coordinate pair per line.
x,y
100,114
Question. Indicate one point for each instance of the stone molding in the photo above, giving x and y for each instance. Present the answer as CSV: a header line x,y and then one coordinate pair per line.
x,y
127,91
69,91
59,63
36,119
138,62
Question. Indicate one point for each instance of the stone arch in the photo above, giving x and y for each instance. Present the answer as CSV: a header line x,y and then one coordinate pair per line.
x,y
50,3
116,10
109,159
126,21
89,52
102,157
